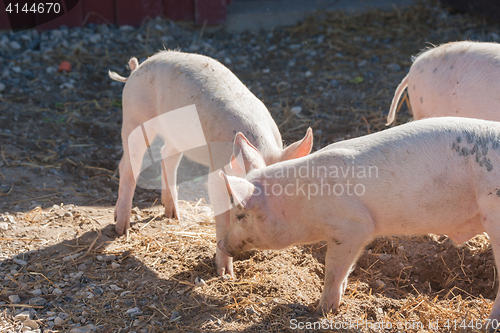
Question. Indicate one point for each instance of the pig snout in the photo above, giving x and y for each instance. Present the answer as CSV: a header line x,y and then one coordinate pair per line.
x,y
221,245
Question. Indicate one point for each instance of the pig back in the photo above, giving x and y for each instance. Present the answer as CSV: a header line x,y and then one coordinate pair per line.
x,y
456,79
171,80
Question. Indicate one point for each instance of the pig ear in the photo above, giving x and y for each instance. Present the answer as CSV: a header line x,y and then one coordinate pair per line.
x,y
235,166
300,148
246,155
240,190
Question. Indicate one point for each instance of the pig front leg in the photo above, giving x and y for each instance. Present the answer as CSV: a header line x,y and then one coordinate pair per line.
x,y
491,223
223,262
494,317
340,256
489,209
220,202
169,164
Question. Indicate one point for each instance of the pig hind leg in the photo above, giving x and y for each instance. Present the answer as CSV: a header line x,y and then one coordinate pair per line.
x,y
170,162
131,161
340,257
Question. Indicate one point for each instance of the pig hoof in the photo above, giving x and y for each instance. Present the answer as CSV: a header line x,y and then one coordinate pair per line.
x,y
224,264
322,309
226,273
121,228
319,311
171,213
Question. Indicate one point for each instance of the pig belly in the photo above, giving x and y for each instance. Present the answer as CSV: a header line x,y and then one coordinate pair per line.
x,y
445,206
198,155
215,155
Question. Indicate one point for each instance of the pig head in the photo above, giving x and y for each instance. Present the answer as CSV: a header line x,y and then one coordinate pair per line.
x,y
260,219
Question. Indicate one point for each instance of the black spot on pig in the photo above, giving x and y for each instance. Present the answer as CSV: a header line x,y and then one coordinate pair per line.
x,y
421,99
478,158
485,150
496,144
413,87
498,193
249,134
435,70
487,164
335,240
451,67
241,216
480,147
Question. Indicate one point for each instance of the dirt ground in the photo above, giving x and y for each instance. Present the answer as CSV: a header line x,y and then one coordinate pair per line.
x,y
59,153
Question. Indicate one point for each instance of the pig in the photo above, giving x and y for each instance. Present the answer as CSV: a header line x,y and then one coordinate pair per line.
x,y
437,175
457,79
171,80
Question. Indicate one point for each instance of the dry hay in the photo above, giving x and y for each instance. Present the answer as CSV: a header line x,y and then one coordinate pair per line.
x,y
159,264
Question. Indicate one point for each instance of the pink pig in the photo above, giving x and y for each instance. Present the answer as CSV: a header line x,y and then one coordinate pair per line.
x,y
168,95
437,175
459,79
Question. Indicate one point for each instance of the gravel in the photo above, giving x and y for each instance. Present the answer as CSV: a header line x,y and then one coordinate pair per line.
x,y
38,301
134,312
14,299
